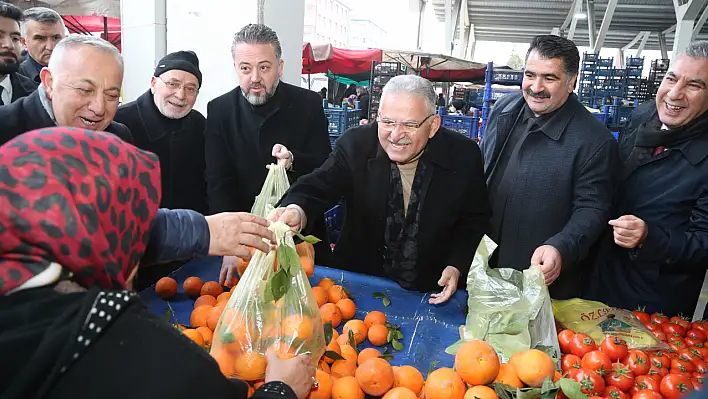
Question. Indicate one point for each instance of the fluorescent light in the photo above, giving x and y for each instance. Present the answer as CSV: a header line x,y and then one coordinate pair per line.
x,y
580,15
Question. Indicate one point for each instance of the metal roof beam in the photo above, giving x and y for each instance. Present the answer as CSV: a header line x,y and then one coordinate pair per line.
x,y
685,16
471,44
634,41
574,22
605,26
569,18
699,24
662,46
643,44
590,9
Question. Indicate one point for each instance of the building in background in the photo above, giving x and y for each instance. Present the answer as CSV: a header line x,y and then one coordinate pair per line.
x,y
363,34
327,21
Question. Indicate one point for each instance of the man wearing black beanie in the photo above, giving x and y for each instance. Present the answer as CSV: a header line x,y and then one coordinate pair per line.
x,y
163,122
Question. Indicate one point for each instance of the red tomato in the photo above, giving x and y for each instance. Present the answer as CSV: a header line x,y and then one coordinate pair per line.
x,y
698,375
596,361
681,373
690,354
697,383
659,318
658,372
564,339
681,321
659,335
638,362
642,316
591,382
676,344
620,377
674,386
673,329
571,373
660,360
701,325
701,366
614,393
691,342
697,335
683,365
595,397
582,344
647,394
614,347
701,349
653,327
569,361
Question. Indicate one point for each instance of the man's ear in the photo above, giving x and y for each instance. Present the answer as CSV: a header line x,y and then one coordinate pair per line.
x,y
435,126
153,82
280,68
45,75
23,42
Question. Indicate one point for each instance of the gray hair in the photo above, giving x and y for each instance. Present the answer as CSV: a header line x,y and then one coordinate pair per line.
x,y
415,85
257,34
73,41
696,49
41,15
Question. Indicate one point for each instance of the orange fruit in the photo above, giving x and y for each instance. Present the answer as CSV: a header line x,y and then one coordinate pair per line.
x,y
514,359
336,293
250,366
324,386
375,376
332,347
192,286
320,295
212,288
444,383
241,266
507,375
343,341
557,376
326,283
166,287
258,384
477,363
400,393
305,249
534,366
358,328
408,377
225,360
480,392
378,335
223,297
307,265
374,317
331,313
347,307
297,326
342,368
283,350
322,365
335,335
347,388
233,288
205,300
349,353
207,335
194,335
367,354
199,316
215,315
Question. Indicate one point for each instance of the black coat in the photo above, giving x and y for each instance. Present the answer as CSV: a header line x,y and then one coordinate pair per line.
x,y
453,218
28,70
28,114
236,156
180,146
21,86
561,188
670,193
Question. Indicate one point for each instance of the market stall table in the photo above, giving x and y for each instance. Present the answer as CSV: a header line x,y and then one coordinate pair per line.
x,y
427,329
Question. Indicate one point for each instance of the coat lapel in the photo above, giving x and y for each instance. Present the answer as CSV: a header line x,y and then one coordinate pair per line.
x,y
379,172
505,123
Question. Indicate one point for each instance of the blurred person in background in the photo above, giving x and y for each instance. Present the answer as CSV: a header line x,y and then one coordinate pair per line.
x,y
13,85
363,98
42,29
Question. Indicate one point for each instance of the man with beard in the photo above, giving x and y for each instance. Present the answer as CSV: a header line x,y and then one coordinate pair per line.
x,y
549,165
260,121
13,85
80,88
42,29
656,254
163,122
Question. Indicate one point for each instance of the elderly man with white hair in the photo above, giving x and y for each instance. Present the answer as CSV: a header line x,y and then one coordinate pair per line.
x,y
415,194
80,88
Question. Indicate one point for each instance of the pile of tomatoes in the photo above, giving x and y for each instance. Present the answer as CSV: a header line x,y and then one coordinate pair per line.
x,y
677,332
611,370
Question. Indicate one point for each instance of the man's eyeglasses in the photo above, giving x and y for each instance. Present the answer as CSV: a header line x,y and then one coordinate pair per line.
x,y
407,127
189,90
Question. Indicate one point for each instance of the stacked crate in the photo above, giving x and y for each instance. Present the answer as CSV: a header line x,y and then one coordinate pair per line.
x,y
657,72
633,81
586,79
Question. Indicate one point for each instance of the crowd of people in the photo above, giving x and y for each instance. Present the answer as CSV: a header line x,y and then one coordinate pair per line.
x,y
99,199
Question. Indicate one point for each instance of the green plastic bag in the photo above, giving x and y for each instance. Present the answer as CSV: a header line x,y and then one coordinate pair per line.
x,y
274,187
508,308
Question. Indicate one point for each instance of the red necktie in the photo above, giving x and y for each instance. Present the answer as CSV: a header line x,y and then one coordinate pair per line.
x,y
659,150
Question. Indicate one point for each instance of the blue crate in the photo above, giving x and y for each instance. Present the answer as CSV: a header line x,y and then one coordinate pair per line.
x,y
334,219
333,138
341,119
605,62
466,125
633,61
617,116
601,117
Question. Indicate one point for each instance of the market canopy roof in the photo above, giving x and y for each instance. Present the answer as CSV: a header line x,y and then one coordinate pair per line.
x,y
437,67
104,8
339,61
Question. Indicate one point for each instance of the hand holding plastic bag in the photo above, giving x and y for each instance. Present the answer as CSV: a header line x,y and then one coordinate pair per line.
x,y
274,187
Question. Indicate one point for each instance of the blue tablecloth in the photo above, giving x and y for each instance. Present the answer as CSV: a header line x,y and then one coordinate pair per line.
x,y
427,329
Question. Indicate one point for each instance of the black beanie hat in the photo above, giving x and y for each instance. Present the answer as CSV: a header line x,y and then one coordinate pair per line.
x,y
181,60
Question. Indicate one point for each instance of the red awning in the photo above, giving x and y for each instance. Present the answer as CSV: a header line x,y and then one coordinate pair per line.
x,y
90,24
339,61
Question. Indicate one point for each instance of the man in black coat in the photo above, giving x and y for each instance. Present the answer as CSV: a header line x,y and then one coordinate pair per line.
x,y
80,88
656,253
13,86
260,121
549,165
163,122
416,203
42,29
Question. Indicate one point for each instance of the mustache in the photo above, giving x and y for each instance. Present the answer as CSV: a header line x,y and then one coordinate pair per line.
x,y
256,86
8,54
542,94
401,141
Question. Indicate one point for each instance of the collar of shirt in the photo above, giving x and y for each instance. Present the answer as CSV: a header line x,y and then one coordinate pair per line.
x,y
6,90
554,123
46,102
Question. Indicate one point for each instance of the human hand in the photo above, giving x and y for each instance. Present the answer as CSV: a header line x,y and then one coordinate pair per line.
x,y
284,157
629,231
231,233
448,280
289,216
295,373
549,260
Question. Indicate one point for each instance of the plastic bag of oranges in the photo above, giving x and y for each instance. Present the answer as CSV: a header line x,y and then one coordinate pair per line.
x,y
272,309
274,187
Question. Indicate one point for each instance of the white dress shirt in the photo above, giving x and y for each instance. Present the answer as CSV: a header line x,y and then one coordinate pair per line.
x,y
6,90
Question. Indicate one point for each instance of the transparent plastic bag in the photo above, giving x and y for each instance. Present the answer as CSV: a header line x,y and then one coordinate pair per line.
x,y
272,308
274,187
508,308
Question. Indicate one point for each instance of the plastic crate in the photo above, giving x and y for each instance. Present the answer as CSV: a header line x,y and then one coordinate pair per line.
x,y
340,119
333,138
601,117
465,125
334,219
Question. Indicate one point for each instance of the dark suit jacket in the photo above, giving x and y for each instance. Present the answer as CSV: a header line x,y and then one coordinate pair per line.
x,y
561,188
28,70
28,114
454,214
21,86
236,156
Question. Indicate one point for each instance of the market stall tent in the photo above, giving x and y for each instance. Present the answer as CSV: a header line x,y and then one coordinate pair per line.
x,y
104,8
108,27
437,67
